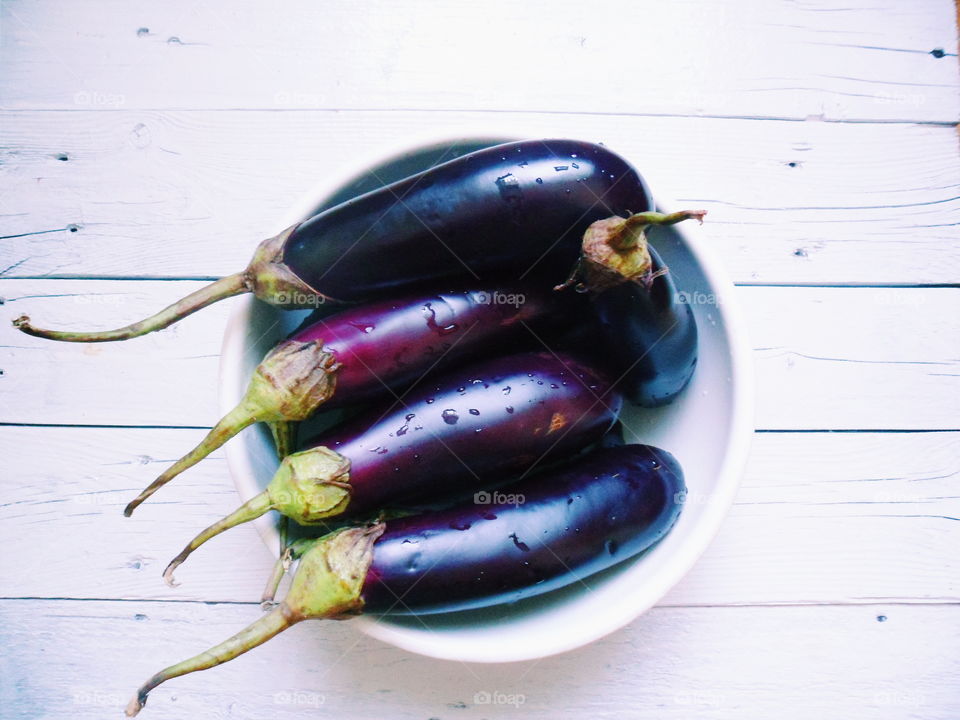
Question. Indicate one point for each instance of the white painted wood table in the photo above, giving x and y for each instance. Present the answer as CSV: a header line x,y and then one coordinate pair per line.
x,y
146,146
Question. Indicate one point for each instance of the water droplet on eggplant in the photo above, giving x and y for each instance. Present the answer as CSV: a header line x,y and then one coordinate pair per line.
x,y
519,543
450,416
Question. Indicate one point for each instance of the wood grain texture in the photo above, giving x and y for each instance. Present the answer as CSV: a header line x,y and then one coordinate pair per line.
x,y
820,518
84,660
162,140
826,358
863,61
188,194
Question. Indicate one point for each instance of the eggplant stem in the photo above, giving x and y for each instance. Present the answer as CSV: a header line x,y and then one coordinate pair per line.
x,y
242,416
290,384
280,568
284,436
250,510
257,633
235,284
652,217
328,584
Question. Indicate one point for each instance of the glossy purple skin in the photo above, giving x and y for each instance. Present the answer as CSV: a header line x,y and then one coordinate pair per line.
x,y
574,521
648,339
390,343
507,212
645,339
495,419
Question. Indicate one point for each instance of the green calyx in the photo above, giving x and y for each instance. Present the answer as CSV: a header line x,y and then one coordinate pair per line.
x,y
311,485
272,281
293,380
327,584
615,251
289,385
308,487
329,580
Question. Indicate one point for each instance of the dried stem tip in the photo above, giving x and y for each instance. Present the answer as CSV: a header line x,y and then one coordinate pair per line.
x,y
615,251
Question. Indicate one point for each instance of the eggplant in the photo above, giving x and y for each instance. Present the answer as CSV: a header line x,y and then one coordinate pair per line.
x,y
461,432
647,338
511,211
642,334
370,350
547,531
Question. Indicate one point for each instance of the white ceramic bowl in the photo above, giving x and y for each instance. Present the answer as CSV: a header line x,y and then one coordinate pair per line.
x,y
708,428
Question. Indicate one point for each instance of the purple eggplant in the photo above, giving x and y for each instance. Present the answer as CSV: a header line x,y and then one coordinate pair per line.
x,y
511,211
647,338
642,334
546,532
460,432
362,352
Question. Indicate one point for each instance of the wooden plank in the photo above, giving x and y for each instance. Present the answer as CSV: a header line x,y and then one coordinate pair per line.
x,y
167,378
867,60
826,358
188,194
820,517
844,358
701,662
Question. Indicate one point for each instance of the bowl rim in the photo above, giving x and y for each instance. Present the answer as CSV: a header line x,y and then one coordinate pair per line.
x,y
740,433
